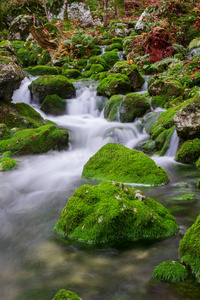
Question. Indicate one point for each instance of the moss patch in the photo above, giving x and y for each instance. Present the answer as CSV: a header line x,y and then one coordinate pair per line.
x,y
112,212
116,162
189,249
189,152
112,107
7,163
66,295
114,84
53,104
43,70
170,271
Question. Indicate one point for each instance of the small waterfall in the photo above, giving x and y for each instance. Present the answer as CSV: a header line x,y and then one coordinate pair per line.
x,y
120,54
171,152
23,94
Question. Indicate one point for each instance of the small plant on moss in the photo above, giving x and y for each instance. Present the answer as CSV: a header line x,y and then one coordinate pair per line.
x,y
170,271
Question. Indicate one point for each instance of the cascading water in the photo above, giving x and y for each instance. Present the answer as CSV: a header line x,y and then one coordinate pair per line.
x,y
34,262
173,146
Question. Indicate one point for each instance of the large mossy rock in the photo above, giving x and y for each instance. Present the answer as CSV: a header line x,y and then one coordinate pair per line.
x,y
129,70
187,120
43,70
110,212
66,295
54,105
11,73
165,90
50,85
114,84
110,57
19,115
189,152
116,162
133,106
19,28
189,249
71,73
34,141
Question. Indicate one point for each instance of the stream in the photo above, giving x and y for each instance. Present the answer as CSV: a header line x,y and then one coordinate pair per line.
x,y
35,263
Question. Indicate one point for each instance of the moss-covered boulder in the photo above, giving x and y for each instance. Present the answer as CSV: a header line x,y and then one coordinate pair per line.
x,y
96,60
116,162
110,212
189,152
170,271
19,115
34,141
129,70
50,85
54,105
110,57
4,132
113,85
11,73
7,163
113,46
111,110
133,106
189,249
66,295
43,70
72,73
167,90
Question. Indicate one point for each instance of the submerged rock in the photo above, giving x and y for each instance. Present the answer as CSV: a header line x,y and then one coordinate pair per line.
x,y
116,162
189,249
66,295
110,212
50,85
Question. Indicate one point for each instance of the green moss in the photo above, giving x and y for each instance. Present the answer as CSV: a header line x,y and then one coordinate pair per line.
x,y
72,73
149,147
162,141
4,132
158,101
189,249
170,271
187,198
7,163
66,295
112,108
111,212
133,106
44,58
116,162
189,152
110,58
114,84
96,68
113,46
129,70
42,70
53,104
94,60
34,141
50,85
19,115
117,40
96,51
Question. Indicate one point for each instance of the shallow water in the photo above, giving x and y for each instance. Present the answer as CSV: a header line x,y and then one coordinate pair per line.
x,y
35,262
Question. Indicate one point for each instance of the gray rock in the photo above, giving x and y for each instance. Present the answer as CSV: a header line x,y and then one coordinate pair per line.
x,y
80,12
19,28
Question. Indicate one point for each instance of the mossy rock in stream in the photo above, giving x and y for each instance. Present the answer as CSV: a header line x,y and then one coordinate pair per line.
x,y
189,152
43,70
116,162
54,105
111,212
7,163
50,85
189,249
35,141
111,108
129,70
19,115
114,84
170,271
72,73
66,295
133,106
110,57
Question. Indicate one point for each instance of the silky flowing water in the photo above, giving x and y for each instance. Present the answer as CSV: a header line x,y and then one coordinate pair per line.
x,y
35,262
